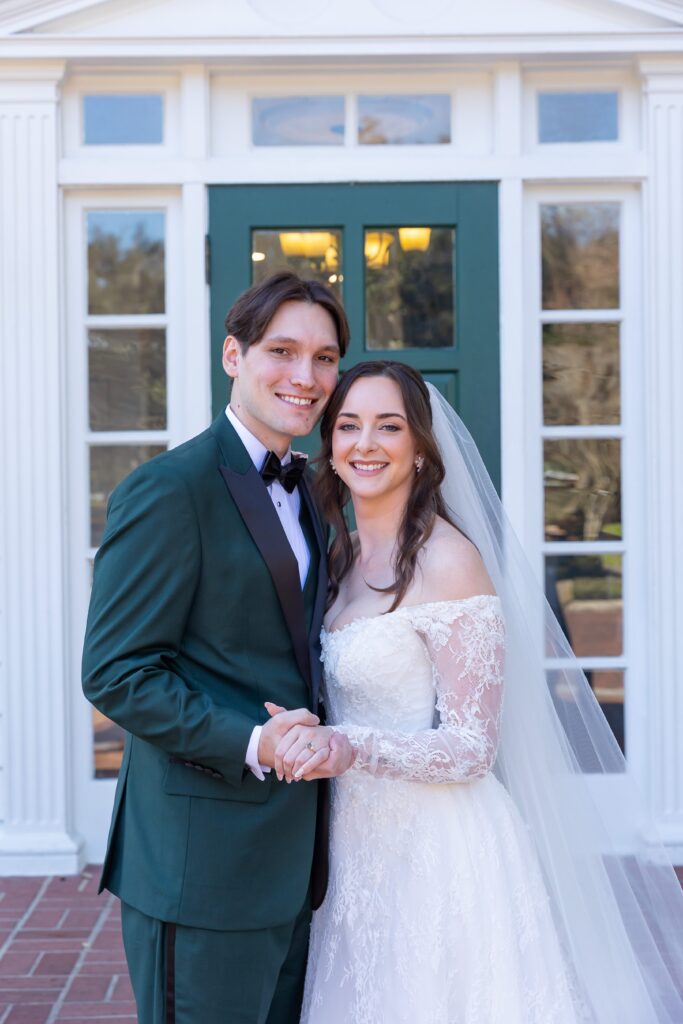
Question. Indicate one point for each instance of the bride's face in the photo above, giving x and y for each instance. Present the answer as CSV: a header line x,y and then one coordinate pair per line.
x,y
373,449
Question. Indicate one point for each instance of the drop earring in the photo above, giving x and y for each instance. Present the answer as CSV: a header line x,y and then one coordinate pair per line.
x,y
419,463
333,467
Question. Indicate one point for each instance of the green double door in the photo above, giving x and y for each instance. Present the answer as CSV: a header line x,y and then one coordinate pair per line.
x,y
416,266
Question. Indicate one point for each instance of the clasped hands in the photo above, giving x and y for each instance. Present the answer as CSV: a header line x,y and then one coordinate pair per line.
x,y
296,746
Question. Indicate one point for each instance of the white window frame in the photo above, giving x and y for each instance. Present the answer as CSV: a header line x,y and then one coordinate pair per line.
x,y
618,80
471,94
80,86
609,789
93,797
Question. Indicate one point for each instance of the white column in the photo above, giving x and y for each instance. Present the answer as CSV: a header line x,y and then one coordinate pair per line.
x,y
663,398
514,346
195,341
35,813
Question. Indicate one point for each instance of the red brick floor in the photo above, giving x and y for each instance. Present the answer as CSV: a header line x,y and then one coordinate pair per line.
x,y
61,957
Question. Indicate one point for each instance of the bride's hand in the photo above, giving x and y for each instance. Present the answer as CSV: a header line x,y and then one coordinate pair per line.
x,y
327,763
301,750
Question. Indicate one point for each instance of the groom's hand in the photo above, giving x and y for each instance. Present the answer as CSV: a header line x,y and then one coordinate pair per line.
x,y
278,726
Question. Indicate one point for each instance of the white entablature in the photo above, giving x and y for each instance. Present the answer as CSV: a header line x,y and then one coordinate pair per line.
x,y
321,20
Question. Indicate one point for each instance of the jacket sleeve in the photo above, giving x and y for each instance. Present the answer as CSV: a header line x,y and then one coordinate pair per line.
x,y
146,573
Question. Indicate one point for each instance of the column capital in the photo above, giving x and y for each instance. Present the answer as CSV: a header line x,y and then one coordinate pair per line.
x,y
662,75
31,81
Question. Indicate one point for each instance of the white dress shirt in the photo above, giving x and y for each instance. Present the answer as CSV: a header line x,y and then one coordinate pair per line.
x,y
288,507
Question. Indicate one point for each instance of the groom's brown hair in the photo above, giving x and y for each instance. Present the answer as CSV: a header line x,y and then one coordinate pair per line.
x,y
248,318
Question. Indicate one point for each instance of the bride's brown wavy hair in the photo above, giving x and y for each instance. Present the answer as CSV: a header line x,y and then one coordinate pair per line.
x,y
424,503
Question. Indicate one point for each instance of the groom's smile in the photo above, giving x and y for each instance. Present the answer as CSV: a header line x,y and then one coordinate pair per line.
x,y
282,383
294,400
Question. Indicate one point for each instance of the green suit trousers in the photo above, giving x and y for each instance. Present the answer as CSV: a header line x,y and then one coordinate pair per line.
x,y
183,975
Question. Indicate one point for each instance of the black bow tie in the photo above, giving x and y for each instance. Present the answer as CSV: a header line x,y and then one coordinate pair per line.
x,y
288,475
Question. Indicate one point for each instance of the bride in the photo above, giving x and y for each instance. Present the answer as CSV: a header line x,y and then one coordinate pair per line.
x,y
472,880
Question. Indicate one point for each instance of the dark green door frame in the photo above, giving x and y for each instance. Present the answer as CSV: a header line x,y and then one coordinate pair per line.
x,y
469,372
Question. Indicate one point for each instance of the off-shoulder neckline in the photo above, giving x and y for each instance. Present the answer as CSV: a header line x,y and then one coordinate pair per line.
x,y
409,608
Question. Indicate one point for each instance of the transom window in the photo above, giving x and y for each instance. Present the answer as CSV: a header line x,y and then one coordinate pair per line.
x,y
386,120
298,121
578,116
124,119
404,120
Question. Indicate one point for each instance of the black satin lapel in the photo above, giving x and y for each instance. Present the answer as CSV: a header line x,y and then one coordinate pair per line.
x,y
321,591
261,519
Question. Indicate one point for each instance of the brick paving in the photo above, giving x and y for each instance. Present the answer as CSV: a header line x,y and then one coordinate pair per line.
x,y
61,957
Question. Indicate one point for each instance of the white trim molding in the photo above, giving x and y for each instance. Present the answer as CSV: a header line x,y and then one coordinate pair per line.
x,y
663,485
35,782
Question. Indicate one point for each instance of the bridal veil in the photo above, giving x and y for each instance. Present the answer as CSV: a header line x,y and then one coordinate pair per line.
x,y
618,912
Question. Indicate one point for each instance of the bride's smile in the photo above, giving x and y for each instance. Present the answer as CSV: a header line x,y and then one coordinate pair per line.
x,y
373,449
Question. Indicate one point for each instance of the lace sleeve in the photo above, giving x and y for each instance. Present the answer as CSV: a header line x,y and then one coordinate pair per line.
x,y
466,649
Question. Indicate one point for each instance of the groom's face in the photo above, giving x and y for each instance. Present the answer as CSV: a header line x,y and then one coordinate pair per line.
x,y
282,383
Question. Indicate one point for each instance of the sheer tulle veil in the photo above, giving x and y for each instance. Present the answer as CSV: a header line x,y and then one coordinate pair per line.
x,y
619,912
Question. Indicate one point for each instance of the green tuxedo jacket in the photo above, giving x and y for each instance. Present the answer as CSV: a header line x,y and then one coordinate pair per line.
x,y
197,617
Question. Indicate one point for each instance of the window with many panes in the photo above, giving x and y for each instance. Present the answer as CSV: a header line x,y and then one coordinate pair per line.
x,y
580,322
124,334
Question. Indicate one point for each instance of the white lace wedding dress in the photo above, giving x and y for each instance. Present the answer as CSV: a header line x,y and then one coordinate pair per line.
x,y
436,911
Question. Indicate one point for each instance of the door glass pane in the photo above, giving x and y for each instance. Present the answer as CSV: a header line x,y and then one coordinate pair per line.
x,y
126,272
404,120
108,465
298,121
108,740
582,483
581,374
127,378
580,255
578,117
608,687
585,593
409,287
310,252
123,120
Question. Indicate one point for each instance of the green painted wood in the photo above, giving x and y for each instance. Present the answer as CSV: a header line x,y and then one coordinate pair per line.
x,y
468,374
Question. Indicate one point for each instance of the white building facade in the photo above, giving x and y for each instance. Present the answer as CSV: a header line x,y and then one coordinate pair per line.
x,y
156,156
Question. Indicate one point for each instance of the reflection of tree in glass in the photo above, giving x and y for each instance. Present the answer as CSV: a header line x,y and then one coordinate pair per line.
x,y
580,256
125,278
595,577
109,464
410,302
108,741
585,592
582,489
127,376
580,374
370,131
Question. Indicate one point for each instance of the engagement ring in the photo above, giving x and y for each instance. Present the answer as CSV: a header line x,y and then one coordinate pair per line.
x,y
309,746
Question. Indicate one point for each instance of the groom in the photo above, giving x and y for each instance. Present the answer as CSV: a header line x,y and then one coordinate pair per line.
x,y
208,596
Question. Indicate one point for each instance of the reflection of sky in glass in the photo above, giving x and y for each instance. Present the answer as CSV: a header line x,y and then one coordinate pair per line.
x,y
578,117
404,120
127,225
298,121
123,120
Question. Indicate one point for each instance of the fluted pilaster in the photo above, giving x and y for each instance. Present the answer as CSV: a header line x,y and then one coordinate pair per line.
x,y
663,356
34,695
